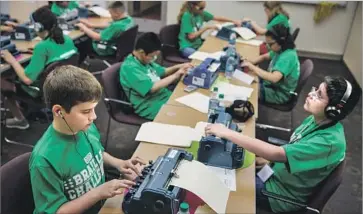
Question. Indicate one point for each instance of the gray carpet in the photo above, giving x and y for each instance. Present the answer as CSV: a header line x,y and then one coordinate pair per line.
x,y
347,199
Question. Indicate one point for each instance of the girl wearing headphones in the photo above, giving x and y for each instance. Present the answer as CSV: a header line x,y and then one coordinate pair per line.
x,y
280,80
316,147
275,15
54,47
191,19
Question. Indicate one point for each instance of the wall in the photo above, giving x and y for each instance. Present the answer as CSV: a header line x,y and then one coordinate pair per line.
x,y
353,52
328,37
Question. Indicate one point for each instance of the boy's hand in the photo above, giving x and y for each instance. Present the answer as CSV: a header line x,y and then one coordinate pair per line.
x,y
181,72
112,188
85,22
129,167
217,129
81,26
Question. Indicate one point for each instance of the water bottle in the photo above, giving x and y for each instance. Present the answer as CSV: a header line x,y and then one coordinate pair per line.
x,y
184,208
229,67
213,101
232,39
221,101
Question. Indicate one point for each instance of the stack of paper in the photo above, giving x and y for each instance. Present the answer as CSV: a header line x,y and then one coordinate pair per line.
x,y
233,92
195,100
102,12
245,33
199,55
253,42
167,134
243,77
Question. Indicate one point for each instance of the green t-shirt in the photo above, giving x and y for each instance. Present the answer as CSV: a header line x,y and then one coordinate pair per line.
x,y
44,53
58,11
287,63
279,19
309,161
190,23
62,170
137,79
111,33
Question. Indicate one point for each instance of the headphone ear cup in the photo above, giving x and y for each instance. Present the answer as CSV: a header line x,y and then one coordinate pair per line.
x,y
38,27
331,112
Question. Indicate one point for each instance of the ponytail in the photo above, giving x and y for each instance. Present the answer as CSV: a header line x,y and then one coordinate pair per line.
x,y
57,35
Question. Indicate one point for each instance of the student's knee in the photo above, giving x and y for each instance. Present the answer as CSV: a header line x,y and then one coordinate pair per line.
x,y
186,52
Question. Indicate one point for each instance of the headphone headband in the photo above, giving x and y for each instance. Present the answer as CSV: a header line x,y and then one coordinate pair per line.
x,y
347,93
333,111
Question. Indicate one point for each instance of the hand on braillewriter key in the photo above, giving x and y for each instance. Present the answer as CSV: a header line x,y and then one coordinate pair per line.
x,y
112,188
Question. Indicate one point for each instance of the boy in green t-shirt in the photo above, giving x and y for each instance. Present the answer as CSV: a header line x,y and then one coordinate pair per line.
x,y
60,8
121,22
54,47
144,81
66,165
275,15
282,75
316,147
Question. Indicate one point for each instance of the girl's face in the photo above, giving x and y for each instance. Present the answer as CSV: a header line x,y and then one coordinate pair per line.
x,y
199,8
272,44
316,101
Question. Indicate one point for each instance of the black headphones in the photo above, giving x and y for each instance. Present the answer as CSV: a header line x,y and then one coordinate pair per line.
x,y
242,110
333,111
38,27
279,39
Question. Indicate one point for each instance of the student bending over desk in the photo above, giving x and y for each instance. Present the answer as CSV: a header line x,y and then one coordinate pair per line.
x,y
62,7
316,147
121,22
66,165
191,19
54,47
140,77
275,15
283,73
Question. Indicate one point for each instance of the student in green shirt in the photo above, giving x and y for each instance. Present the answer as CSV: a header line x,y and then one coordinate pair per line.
x,y
275,15
54,47
60,8
316,147
282,75
144,81
191,18
121,22
66,164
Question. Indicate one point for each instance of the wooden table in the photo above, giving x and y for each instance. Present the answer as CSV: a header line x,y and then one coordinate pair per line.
x,y
26,45
240,201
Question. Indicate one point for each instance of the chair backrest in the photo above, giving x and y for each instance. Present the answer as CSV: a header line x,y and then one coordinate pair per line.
x,y
125,43
327,188
169,35
295,33
306,69
16,191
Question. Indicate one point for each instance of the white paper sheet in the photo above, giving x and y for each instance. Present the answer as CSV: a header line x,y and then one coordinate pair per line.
x,y
197,178
199,55
214,66
243,77
66,32
227,176
153,132
244,32
232,92
217,55
195,100
254,42
100,11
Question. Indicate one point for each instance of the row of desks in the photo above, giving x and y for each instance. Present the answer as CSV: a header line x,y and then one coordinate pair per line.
x,y
240,201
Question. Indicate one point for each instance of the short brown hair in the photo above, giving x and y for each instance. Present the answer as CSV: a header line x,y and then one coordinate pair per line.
x,y
69,85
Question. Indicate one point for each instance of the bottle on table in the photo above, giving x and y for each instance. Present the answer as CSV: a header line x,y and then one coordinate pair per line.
x,y
213,101
184,208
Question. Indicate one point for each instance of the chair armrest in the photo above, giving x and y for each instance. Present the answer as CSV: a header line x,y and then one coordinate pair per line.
x,y
23,84
288,200
108,100
106,43
277,141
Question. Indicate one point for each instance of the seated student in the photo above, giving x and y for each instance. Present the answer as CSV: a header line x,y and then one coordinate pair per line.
x,y
275,15
121,22
191,19
316,147
66,165
62,7
283,73
144,81
54,47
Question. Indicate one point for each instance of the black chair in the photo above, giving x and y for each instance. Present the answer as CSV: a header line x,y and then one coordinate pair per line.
x,y
295,33
118,106
320,196
123,45
16,191
306,69
170,45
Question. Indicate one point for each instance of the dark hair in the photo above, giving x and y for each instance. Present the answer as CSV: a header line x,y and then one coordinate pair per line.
x,y
276,8
282,36
117,5
45,16
187,5
69,85
148,42
336,87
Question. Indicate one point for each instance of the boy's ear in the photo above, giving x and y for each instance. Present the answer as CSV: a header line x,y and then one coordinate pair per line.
x,y
57,110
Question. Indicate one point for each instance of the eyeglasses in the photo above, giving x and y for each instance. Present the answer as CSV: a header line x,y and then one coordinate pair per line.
x,y
199,8
270,43
314,94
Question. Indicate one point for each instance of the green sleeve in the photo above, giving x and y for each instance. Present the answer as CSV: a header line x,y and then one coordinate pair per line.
x,y
137,79
306,156
207,16
284,64
108,33
55,9
186,25
37,63
47,187
160,70
272,54
73,4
